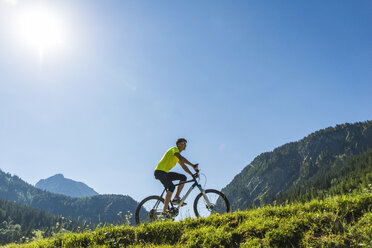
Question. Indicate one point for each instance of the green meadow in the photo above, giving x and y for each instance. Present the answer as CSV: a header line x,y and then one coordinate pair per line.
x,y
341,221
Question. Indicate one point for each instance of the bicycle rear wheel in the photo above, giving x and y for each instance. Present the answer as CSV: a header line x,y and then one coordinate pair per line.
x,y
149,209
219,204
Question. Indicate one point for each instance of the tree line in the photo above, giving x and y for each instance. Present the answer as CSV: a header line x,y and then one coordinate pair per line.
x,y
20,223
342,177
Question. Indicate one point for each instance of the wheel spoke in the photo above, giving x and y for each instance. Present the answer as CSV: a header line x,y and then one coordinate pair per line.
x,y
149,210
218,204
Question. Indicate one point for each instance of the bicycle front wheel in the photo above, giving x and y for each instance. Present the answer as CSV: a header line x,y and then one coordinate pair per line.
x,y
149,209
210,203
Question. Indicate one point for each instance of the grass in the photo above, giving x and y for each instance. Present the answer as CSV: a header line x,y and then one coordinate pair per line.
x,y
342,221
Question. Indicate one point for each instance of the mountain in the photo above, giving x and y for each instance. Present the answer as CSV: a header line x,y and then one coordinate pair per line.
x,y
18,222
353,174
95,209
60,185
287,172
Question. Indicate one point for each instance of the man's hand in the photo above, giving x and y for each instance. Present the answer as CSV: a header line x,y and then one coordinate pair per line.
x,y
196,168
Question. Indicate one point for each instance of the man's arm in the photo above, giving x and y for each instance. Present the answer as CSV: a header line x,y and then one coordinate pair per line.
x,y
185,168
185,161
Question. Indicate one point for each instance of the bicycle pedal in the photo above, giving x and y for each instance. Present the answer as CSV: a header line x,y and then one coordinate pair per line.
x,y
177,203
164,216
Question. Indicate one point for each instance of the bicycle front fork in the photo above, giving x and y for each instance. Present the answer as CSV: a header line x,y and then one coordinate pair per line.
x,y
209,205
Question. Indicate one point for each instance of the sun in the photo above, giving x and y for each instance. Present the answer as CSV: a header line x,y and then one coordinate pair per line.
x,y
41,29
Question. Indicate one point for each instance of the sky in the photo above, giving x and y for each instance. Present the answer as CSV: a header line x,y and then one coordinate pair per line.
x,y
99,90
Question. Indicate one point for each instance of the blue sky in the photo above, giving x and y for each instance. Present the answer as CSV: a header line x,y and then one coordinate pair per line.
x,y
235,78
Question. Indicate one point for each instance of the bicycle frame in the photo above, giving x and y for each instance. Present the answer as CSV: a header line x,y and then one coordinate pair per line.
x,y
196,184
206,203
152,212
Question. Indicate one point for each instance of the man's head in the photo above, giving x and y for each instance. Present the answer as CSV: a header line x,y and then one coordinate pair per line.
x,y
181,144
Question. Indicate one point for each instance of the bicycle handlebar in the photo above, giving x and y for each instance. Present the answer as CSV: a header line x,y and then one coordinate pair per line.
x,y
194,176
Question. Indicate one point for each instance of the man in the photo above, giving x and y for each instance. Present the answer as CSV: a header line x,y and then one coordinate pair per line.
x,y
169,160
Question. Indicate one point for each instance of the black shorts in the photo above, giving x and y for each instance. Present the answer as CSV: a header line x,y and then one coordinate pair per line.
x,y
167,178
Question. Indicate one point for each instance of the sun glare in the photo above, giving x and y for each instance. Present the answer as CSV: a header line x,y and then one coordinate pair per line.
x,y
41,30
13,2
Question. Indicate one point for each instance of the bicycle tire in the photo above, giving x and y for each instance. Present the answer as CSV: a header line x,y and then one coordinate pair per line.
x,y
142,214
220,203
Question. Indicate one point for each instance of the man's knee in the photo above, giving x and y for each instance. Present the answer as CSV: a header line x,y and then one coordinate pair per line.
x,y
184,178
171,188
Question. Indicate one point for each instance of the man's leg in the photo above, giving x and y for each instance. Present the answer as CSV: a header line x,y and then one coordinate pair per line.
x,y
167,199
164,178
177,176
179,189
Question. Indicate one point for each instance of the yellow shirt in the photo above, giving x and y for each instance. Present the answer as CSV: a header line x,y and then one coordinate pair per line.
x,y
169,160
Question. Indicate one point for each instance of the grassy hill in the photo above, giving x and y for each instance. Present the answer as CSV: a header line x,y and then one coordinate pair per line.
x,y
342,221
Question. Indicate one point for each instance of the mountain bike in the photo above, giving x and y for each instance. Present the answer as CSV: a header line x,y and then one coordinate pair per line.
x,y
206,203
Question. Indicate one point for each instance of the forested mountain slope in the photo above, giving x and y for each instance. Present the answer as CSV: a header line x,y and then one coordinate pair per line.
x,y
20,222
279,175
97,209
353,174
